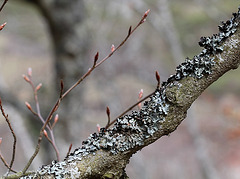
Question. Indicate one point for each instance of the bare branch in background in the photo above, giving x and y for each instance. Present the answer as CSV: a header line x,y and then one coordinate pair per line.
x,y
28,79
4,161
4,3
13,134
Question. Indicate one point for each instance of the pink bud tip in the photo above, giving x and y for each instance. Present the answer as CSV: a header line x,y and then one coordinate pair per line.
x,y
28,106
146,13
26,78
45,133
98,127
140,95
0,140
56,118
38,86
29,71
2,26
112,48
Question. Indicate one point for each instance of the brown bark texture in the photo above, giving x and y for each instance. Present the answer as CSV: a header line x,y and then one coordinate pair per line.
x,y
106,154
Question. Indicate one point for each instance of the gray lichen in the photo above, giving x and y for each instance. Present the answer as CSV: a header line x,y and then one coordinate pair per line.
x,y
129,131
202,64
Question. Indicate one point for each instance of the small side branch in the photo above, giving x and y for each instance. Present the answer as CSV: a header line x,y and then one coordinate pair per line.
x,y
4,3
13,134
5,163
46,124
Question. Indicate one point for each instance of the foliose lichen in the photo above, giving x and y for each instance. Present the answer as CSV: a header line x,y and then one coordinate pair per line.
x,y
201,65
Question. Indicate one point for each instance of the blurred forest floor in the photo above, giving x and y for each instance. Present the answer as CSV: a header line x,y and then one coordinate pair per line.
x,y
24,43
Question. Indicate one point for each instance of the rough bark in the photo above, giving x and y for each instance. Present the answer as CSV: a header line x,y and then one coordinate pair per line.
x,y
106,154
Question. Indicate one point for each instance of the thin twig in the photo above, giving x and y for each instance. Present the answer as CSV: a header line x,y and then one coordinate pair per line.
x,y
130,32
49,127
5,1
95,65
69,150
35,153
158,79
5,163
108,115
61,88
13,134
41,135
53,143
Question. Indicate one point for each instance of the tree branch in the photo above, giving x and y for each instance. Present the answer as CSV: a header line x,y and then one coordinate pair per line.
x,y
107,153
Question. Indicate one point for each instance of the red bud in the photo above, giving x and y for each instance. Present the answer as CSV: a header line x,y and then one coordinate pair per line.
x,y
129,30
146,13
112,48
38,86
108,111
45,133
2,26
140,94
98,127
26,78
55,120
158,78
28,106
96,58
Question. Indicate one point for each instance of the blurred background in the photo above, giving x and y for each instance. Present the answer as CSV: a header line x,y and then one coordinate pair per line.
x,y
58,39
